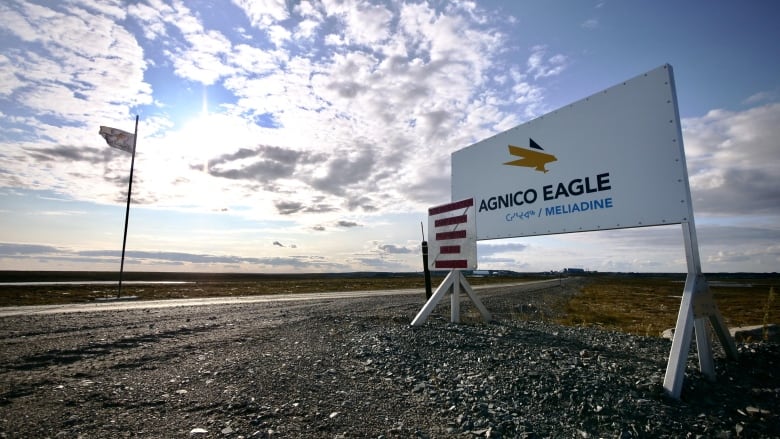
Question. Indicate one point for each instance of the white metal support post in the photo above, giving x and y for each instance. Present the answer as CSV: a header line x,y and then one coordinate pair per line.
x,y
696,307
451,284
455,299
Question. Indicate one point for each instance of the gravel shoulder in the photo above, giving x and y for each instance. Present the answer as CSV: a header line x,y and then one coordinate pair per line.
x,y
355,368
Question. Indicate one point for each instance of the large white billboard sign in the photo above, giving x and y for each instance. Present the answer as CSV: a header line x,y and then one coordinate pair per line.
x,y
612,160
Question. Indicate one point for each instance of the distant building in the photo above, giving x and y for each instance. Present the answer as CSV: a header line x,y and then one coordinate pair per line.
x,y
574,270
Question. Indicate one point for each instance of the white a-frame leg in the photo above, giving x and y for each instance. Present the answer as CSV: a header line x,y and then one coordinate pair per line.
x,y
451,284
697,306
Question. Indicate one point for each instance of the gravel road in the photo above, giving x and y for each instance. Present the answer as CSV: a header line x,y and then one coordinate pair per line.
x,y
336,368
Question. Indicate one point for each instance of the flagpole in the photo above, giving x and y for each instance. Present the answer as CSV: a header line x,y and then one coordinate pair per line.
x,y
127,209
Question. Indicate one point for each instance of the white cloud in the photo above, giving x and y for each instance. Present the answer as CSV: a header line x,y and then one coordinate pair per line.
x,y
306,29
392,101
541,66
83,62
363,23
320,110
262,13
733,160
590,24
150,16
204,58
9,81
16,20
381,111
762,97
200,55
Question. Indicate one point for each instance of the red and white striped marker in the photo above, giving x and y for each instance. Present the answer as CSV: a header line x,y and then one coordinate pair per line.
x,y
452,236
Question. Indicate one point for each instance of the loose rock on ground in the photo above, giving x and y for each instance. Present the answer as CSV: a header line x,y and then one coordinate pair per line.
x,y
355,368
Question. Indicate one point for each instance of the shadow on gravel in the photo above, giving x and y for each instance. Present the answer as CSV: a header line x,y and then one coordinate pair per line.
x,y
61,357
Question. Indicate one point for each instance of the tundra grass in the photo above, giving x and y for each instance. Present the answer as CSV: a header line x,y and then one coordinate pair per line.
x,y
636,304
648,306
222,286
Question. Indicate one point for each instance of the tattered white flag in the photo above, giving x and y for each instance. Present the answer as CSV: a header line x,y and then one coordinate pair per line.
x,y
117,138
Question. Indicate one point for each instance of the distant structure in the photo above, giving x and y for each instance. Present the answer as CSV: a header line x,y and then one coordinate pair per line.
x,y
574,270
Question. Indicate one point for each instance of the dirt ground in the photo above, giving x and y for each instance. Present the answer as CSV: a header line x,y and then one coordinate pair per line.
x,y
355,368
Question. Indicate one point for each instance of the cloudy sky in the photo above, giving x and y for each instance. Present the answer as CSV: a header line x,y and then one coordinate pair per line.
x,y
297,136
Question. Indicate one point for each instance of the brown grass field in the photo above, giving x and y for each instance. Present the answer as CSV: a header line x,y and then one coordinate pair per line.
x,y
635,303
204,285
647,305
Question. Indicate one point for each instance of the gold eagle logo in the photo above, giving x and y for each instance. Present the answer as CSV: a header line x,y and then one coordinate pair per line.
x,y
531,157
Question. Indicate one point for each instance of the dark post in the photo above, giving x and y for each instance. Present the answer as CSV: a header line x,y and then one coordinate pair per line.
x,y
425,264
127,210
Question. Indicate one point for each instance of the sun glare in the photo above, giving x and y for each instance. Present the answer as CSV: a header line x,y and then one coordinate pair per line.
x,y
209,135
